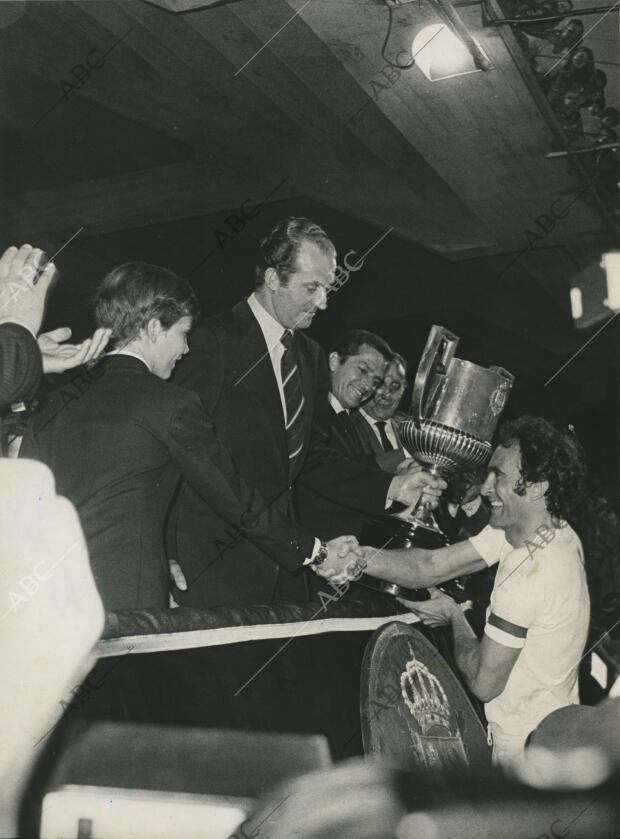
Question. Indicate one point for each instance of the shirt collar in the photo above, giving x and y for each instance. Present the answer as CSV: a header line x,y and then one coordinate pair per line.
x,y
472,507
132,355
372,420
272,330
336,404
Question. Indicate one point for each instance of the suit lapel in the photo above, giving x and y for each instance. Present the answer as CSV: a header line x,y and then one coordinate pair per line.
x,y
368,435
253,374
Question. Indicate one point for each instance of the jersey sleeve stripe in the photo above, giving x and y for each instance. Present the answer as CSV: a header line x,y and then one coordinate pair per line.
x,y
507,626
503,638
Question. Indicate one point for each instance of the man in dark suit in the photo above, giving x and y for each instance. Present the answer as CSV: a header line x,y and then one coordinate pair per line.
x,y
265,385
119,446
374,427
358,361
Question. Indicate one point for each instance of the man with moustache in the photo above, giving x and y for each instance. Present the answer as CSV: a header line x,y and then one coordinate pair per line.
x,y
265,385
526,665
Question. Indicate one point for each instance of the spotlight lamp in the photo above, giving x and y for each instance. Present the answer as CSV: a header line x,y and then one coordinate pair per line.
x,y
442,46
611,263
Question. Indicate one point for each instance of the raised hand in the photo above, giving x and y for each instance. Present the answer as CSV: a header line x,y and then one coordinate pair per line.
x,y
345,560
25,278
58,356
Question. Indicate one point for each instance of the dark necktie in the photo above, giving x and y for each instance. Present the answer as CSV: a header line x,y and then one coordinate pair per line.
x,y
387,446
294,401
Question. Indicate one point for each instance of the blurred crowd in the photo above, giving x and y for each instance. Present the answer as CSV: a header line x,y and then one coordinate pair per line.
x,y
574,86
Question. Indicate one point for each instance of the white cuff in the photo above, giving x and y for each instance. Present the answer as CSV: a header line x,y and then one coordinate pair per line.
x,y
19,322
315,550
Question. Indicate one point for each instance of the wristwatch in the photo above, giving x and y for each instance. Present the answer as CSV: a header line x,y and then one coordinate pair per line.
x,y
321,555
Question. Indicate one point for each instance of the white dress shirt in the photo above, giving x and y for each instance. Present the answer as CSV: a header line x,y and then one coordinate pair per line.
x,y
389,431
272,332
470,508
336,404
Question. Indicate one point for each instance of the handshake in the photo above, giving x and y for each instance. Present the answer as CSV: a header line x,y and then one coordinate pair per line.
x,y
346,558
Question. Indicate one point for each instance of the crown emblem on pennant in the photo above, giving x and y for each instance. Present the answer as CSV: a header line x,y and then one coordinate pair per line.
x,y
424,696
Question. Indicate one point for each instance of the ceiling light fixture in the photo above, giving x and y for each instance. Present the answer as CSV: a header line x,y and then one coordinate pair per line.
x,y
442,45
440,54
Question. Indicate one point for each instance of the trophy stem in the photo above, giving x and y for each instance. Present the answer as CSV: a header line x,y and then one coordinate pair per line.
x,y
423,512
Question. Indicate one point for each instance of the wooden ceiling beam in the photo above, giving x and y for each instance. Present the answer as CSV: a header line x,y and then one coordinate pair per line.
x,y
122,80
138,199
483,134
184,190
307,71
181,6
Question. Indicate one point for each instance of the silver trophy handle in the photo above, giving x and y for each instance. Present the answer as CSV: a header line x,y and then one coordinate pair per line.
x,y
505,374
438,352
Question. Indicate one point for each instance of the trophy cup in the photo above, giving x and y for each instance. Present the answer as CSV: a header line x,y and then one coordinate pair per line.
x,y
455,408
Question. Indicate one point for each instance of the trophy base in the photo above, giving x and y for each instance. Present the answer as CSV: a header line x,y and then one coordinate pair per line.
x,y
383,587
392,531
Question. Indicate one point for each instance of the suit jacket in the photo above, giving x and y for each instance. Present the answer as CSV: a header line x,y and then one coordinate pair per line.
x,y
357,439
118,445
20,365
330,517
230,369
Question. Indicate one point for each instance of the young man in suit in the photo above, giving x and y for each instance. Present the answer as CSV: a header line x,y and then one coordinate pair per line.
x,y
265,385
119,446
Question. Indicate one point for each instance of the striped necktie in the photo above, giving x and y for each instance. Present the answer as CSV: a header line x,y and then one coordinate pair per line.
x,y
294,400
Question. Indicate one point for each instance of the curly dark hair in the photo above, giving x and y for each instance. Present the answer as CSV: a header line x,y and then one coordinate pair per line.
x,y
551,454
281,245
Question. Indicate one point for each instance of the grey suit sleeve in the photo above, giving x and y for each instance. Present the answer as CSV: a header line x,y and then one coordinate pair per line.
x,y
20,364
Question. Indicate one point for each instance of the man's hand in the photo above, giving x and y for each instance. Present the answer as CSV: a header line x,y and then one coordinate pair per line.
x,y
178,578
345,560
416,483
25,278
434,612
407,466
58,356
